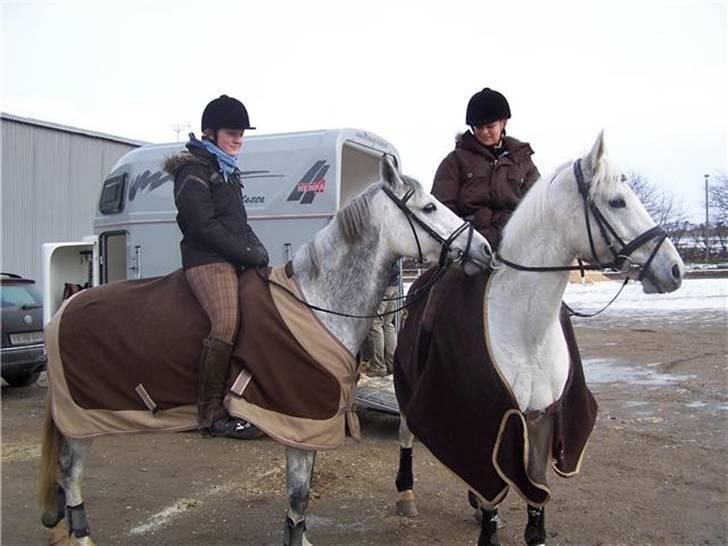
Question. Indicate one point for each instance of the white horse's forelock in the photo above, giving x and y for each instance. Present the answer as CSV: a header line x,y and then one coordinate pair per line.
x,y
605,179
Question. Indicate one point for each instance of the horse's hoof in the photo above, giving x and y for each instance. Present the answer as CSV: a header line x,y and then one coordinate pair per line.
x,y
295,533
59,535
406,504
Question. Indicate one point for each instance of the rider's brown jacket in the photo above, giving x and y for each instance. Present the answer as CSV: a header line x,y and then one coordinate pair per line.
x,y
483,188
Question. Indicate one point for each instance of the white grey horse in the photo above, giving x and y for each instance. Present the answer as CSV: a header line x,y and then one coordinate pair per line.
x,y
557,222
344,268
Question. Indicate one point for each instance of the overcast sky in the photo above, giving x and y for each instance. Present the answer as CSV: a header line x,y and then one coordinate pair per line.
x,y
653,74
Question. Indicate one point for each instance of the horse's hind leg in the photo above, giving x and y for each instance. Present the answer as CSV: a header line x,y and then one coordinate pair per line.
x,y
300,470
71,460
405,480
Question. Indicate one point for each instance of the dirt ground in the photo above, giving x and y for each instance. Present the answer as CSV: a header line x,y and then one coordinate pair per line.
x,y
655,470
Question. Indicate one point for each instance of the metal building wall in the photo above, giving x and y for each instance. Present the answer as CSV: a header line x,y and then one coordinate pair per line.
x,y
51,178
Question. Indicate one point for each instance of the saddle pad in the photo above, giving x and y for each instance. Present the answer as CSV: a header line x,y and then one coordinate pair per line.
x,y
123,358
456,403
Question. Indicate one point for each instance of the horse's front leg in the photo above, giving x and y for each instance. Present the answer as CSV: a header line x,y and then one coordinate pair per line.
x,y
300,470
535,534
405,480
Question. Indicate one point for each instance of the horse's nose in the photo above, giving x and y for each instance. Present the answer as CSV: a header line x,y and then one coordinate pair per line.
x,y
486,248
676,272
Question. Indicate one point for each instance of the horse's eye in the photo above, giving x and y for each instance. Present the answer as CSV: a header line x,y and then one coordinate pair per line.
x,y
430,207
617,203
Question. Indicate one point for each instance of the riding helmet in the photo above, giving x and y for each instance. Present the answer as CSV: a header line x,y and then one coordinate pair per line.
x,y
225,112
485,107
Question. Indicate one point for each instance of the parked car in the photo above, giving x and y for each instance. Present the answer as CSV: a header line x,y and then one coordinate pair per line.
x,y
23,348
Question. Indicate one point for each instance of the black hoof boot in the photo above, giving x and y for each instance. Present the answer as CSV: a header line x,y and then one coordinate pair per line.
x,y
535,534
488,528
294,532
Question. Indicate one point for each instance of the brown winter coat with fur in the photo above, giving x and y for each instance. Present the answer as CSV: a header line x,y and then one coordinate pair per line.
x,y
483,188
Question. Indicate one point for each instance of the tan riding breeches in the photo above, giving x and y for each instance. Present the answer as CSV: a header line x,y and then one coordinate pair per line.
x,y
216,288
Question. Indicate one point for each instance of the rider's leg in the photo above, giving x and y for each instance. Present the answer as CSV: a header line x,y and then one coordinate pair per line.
x,y
216,288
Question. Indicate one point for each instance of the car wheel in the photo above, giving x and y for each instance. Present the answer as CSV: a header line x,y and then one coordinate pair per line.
x,y
22,379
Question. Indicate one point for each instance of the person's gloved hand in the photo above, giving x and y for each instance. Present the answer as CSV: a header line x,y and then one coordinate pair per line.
x,y
257,256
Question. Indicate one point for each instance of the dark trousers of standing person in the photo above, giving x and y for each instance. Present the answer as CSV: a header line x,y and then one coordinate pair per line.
x,y
216,288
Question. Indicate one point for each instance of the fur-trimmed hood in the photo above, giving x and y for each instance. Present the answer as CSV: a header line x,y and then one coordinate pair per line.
x,y
195,153
176,161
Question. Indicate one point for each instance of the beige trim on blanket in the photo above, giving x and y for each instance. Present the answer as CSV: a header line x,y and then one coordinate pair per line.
x,y
489,343
330,353
526,451
76,422
296,432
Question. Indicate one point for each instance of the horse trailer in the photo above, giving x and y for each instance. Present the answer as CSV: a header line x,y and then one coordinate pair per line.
x,y
293,185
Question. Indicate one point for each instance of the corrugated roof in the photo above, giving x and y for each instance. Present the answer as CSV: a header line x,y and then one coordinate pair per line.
x,y
69,129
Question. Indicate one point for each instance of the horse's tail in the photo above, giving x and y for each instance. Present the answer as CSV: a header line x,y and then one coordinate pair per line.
x,y
52,443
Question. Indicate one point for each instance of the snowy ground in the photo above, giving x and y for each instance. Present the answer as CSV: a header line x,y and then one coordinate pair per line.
x,y
693,295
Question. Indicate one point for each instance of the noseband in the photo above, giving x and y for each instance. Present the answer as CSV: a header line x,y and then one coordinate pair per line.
x,y
620,250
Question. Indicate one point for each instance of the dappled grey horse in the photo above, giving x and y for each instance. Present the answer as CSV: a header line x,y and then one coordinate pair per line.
x,y
585,211
344,268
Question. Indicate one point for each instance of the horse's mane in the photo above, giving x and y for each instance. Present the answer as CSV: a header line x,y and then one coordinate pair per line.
x,y
356,214
354,219
602,182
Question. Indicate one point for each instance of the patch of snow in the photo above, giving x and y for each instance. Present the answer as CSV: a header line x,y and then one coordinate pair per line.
x,y
601,370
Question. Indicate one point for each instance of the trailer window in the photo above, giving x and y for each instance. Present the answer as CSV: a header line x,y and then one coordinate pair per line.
x,y
112,195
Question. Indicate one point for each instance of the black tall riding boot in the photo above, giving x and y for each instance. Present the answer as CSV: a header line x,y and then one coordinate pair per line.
x,y
213,418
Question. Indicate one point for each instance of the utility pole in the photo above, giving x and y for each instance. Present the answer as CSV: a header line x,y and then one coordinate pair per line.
x,y
179,127
707,225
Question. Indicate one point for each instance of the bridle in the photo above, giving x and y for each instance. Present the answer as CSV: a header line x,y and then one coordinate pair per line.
x,y
621,251
443,264
445,244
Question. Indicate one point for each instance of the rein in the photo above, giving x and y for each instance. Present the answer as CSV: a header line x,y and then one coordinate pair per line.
x,y
444,262
610,236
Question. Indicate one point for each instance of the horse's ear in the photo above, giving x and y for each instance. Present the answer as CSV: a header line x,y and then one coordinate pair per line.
x,y
597,152
389,172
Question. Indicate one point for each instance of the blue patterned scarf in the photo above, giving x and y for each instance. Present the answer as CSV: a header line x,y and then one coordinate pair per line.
x,y
228,163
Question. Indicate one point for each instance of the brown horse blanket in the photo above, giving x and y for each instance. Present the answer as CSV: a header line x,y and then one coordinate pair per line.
x,y
456,403
123,358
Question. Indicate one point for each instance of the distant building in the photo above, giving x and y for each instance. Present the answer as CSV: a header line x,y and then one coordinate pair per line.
x,y
51,177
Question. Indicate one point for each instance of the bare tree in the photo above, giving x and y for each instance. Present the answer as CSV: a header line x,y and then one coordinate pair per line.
x,y
718,199
663,208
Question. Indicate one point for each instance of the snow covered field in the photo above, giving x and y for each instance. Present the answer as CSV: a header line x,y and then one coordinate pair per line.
x,y
693,295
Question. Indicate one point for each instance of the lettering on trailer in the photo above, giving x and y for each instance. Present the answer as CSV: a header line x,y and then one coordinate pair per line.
x,y
311,184
253,199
